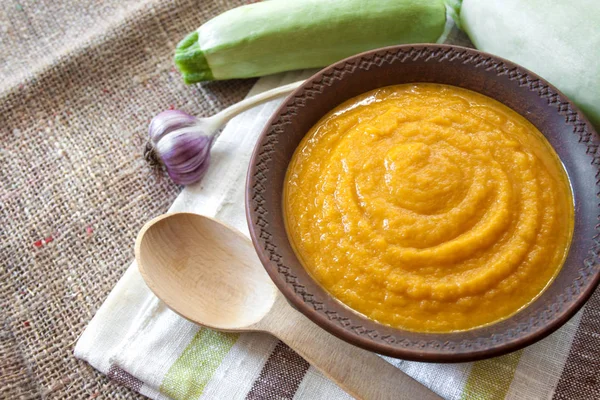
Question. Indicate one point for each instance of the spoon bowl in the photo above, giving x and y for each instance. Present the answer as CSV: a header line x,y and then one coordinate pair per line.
x,y
231,291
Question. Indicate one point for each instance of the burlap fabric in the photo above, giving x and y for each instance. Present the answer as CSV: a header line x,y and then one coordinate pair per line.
x,y
79,81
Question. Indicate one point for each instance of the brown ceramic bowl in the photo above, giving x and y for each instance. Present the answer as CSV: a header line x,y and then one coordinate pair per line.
x,y
565,127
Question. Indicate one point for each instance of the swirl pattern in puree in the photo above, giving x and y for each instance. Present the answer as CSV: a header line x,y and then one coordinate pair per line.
x,y
428,207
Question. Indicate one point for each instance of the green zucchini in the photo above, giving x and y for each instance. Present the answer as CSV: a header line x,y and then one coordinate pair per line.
x,y
558,40
279,35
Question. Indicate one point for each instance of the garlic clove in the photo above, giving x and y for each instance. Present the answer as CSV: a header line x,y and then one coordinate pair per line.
x,y
185,154
169,121
187,178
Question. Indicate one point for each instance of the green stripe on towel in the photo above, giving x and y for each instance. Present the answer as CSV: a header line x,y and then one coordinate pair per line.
x,y
195,367
490,379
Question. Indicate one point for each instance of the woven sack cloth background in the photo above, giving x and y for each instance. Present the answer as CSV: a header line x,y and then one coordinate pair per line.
x,y
79,82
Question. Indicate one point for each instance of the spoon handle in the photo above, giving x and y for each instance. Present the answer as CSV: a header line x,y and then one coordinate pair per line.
x,y
224,116
361,373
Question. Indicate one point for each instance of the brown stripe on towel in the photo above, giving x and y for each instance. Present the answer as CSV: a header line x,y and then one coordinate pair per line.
x,y
124,378
280,376
580,378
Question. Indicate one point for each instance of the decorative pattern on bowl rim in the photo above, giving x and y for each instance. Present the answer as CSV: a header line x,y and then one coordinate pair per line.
x,y
263,154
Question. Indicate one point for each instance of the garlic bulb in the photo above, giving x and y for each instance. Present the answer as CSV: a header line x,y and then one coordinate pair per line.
x,y
181,143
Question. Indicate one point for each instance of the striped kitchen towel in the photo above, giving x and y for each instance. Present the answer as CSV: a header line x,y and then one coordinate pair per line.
x,y
136,340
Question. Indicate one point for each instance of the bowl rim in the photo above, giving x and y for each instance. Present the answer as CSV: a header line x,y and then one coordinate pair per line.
x,y
302,300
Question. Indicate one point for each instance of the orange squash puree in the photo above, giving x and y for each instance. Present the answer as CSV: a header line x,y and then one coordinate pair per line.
x,y
428,207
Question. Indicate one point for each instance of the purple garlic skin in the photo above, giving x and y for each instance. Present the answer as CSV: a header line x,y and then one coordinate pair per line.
x,y
179,141
169,121
186,155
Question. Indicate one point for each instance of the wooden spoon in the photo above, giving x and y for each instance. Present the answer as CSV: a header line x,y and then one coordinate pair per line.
x,y
210,274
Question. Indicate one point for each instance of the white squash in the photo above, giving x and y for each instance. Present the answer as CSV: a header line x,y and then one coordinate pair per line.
x,y
557,39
